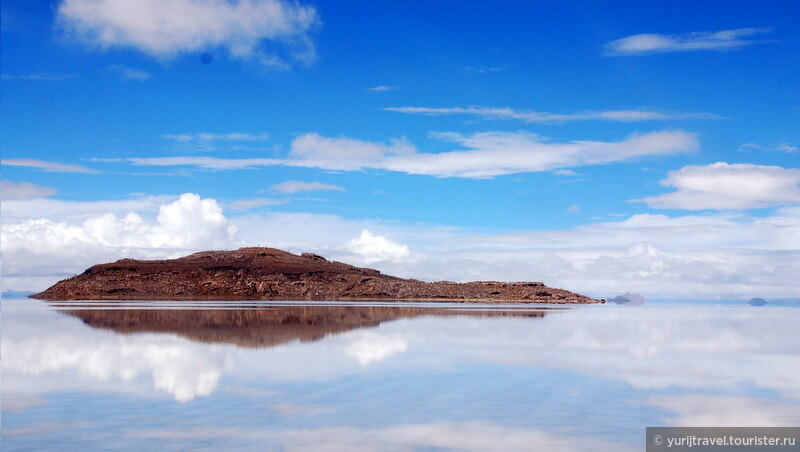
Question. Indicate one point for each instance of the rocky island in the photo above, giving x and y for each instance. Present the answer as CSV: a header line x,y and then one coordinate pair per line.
x,y
273,274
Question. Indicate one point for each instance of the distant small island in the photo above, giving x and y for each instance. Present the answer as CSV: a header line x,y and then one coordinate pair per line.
x,y
273,274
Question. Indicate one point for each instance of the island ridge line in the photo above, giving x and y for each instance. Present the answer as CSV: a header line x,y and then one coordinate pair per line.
x,y
273,274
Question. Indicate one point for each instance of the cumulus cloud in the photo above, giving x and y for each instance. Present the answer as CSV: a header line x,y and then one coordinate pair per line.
x,y
372,347
724,186
44,247
293,186
488,154
680,358
10,190
53,167
173,365
545,117
371,248
191,222
249,30
729,255
78,211
658,256
650,43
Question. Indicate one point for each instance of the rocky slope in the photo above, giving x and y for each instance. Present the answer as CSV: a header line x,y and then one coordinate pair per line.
x,y
272,274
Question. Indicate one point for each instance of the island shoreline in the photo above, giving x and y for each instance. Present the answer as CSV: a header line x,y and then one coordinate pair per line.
x,y
270,274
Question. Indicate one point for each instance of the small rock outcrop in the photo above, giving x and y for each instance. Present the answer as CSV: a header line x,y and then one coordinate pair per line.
x,y
273,274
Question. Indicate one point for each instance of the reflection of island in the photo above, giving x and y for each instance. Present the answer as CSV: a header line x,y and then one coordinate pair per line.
x,y
757,302
267,326
272,274
629,299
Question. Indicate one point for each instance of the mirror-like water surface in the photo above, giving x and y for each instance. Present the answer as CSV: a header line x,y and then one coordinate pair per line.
x,y
329,377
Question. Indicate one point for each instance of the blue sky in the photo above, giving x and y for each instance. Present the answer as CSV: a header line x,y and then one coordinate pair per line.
x,y
604,148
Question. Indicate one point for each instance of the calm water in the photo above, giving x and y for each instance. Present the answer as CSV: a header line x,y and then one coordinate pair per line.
x,y
332,377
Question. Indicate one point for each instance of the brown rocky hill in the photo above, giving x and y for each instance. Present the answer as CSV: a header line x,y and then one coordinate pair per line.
x,y
272,274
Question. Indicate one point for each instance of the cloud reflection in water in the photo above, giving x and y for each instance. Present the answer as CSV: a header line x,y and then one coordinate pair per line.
x,y
656,364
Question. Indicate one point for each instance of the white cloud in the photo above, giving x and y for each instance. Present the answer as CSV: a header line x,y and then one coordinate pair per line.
x,y
724,186
176,366
346,154
488,154
545,117
205,136
40,77
372,347
648,348
290,409
166,28
381,88
684,361
650,43
691,352
77,211
466,436
294,186
36,246
727,411
53,167
565,172
209,141
212,163
782,147
252,203
498,153
128,73
693,256
483,69
709,256
10,190
191,223
371,248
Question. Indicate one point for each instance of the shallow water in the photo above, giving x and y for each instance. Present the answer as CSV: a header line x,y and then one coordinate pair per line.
x,y
330,377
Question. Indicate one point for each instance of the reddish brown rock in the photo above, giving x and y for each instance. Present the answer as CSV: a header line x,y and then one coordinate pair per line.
x,y
258,325
272,274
